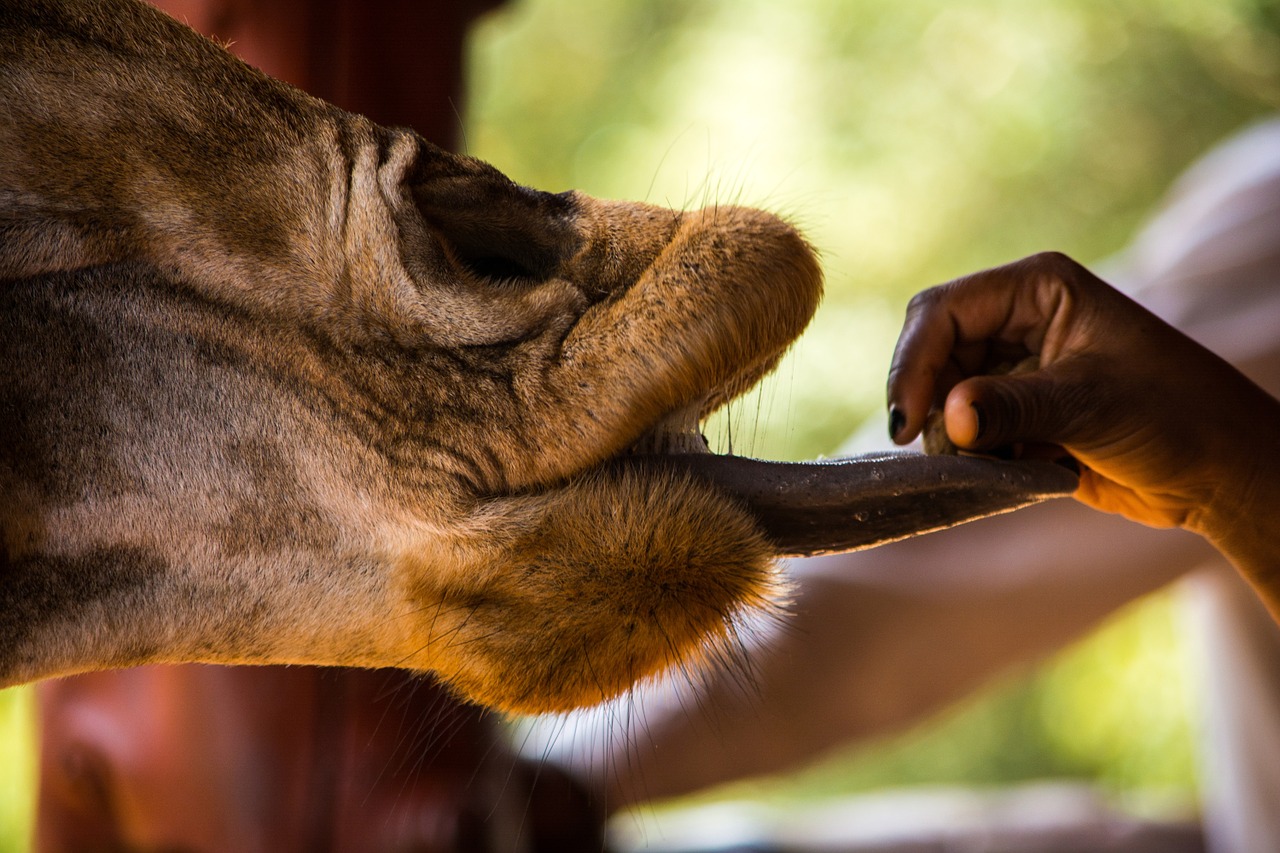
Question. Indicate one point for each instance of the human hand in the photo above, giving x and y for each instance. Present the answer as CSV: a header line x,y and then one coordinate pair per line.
x,y
1161,426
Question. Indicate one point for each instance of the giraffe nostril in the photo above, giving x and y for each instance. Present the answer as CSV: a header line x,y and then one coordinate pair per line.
x,y
492,264
498,230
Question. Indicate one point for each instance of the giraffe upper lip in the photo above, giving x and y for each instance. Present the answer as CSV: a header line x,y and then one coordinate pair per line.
x,y
809,508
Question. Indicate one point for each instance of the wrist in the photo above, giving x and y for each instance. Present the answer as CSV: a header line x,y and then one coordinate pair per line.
x,y
1241,517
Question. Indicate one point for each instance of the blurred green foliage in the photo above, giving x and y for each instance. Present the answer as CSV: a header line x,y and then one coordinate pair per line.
x,y
913,141
17,768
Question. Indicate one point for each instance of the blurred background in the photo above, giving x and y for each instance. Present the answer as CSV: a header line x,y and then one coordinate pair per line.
x,y
913,142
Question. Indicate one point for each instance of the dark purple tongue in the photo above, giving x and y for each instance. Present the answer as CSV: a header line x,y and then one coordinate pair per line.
x,y
808,508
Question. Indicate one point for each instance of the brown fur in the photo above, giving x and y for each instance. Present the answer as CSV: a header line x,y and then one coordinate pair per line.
x,y
280,385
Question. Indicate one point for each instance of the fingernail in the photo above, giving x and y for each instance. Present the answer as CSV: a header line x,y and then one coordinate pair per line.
x,y
979,425
897,420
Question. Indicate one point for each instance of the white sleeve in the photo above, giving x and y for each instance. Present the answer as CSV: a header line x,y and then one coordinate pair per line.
x,y
1209,260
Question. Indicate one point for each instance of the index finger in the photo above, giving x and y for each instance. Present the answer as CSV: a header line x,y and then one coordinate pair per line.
x,y
1016,303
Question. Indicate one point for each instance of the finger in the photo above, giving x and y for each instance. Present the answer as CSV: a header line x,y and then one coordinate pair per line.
x,y
923,349
958,322
1046,406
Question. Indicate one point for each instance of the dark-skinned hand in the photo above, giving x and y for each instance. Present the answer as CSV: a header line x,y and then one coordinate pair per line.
x,y
1164,431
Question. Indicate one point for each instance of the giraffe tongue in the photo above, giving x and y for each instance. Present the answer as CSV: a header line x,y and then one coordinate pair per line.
x,y
808,508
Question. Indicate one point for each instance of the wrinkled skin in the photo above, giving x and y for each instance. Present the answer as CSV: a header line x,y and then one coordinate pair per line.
x,y
278,385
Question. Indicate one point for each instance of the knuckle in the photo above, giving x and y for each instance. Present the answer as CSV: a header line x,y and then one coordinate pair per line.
x,y
926,300
915,303
1057,264
1053,259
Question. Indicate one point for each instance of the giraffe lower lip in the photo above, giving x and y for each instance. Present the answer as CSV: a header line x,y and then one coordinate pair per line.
x,y
810,508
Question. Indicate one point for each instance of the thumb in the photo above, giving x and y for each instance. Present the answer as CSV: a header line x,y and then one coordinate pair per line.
x,y
986,412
